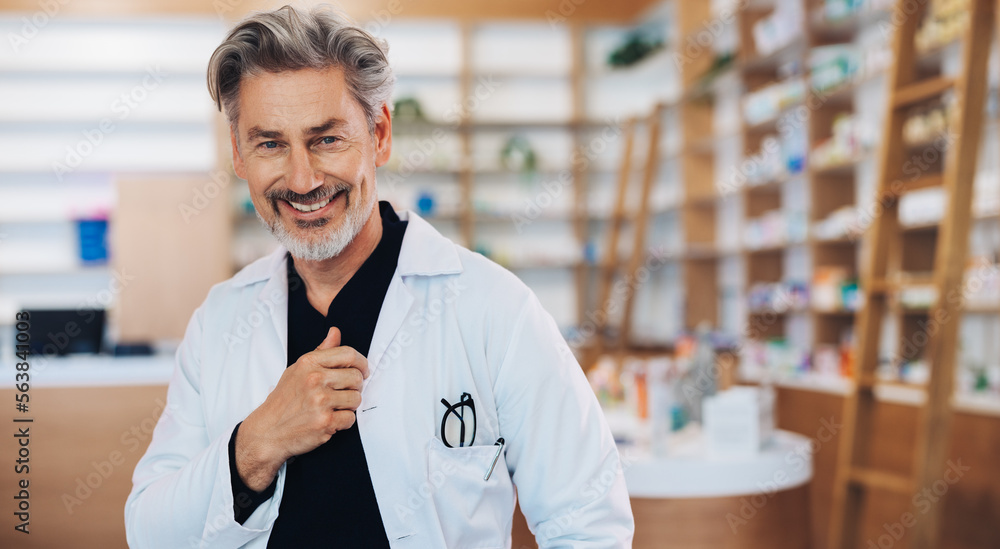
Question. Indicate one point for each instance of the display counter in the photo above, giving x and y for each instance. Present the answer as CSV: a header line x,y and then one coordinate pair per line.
x,y
92,418
686,499
92,371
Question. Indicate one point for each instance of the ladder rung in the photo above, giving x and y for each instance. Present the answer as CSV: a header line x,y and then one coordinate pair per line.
x,y
922,91
923,182
866,381
885,286
893,482
879,287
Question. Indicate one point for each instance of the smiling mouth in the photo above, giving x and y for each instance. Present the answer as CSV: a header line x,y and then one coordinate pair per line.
x,y
308,208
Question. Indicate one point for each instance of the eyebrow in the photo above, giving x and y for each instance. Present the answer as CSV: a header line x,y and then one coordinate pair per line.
x,y
330,124
257,132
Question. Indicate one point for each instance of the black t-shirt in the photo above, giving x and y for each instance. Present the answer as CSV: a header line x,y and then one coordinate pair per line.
x,y
328,496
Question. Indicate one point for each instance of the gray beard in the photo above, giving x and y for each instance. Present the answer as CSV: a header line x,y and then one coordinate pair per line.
x,y
331,243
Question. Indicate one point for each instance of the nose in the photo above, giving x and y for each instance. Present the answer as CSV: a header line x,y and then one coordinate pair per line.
x,y
302,176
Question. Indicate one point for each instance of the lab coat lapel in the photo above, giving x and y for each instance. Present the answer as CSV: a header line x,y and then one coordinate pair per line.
x,y
424,252
274,299
395,308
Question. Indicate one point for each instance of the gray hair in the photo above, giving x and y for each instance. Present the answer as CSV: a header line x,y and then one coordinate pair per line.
x,y
290,39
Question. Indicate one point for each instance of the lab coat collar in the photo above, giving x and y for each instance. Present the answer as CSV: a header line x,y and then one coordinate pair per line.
x,y
424,252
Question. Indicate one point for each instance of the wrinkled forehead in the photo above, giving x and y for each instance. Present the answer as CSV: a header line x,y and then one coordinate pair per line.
x,y
297,102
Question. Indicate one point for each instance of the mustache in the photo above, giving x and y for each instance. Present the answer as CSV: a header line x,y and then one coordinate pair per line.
x,y
319,193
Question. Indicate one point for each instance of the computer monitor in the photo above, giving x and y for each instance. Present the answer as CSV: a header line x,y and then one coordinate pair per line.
x,y
63,331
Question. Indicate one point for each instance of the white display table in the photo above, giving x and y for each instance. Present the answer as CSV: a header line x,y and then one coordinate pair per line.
x,y
684,499
687,472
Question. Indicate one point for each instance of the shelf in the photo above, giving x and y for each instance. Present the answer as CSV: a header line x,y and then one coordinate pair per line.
x,y
842,30
841,169
841,96
832,312
771,124
841,240
699,200
885,391
770,248
12,270
920,227
499,125
982,308
771,61
977,403
771,185
526,266
701,251
932,58
809,382
782,312
936,224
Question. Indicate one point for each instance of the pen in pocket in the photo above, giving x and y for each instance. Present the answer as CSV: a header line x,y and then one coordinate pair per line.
x,y
499,444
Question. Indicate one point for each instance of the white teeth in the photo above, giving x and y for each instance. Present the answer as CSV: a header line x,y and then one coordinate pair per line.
x,y
310,207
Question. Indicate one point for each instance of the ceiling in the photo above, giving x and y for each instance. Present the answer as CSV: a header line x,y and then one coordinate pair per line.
x,y
567,11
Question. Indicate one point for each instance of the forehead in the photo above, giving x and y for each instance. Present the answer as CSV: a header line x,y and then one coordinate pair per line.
x,y
295,100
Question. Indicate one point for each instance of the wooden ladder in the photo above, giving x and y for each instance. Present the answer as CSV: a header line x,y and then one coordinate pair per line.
x,y
854,474
610,261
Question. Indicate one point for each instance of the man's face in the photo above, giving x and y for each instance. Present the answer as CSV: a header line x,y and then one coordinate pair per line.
x,y
305,149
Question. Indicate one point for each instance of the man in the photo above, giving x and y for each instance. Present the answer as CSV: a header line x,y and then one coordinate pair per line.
x,y
370,384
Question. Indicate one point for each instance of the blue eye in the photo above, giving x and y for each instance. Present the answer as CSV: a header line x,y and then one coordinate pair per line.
x,y
270,145
328,140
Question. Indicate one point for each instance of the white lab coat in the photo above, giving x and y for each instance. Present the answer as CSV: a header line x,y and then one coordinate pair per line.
x,y
452,322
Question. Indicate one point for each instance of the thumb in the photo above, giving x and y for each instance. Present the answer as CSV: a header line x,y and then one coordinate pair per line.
x,y
332,339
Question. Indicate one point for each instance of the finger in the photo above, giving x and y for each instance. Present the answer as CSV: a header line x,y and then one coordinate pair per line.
x,y
332,339
341,420
345,400
341,357
341,379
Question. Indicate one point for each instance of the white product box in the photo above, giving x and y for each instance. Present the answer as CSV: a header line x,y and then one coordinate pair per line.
x,y
738,421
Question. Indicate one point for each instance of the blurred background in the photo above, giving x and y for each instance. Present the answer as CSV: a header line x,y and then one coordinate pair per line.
x,y
684,184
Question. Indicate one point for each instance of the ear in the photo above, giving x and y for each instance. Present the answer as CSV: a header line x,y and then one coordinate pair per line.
x,y
238,166
383,136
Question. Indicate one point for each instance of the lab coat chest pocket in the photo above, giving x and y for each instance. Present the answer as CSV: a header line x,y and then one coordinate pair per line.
x,y
474,513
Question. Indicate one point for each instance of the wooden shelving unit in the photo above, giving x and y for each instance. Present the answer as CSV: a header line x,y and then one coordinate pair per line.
x,y
699,211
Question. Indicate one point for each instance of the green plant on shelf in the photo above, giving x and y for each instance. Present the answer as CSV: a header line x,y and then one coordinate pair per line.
x,y
518,155
408,111
637,46
703,87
